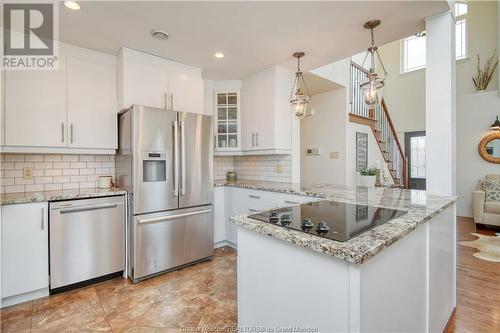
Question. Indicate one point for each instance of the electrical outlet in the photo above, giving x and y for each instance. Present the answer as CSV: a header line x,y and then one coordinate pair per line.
x,y
279,168
312,151
27,173
334,155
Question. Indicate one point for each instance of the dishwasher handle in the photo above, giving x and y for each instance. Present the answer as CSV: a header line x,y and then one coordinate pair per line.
x,y
171,217
88,207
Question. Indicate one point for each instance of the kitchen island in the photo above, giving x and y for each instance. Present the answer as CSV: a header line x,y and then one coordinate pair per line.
x,y
396,277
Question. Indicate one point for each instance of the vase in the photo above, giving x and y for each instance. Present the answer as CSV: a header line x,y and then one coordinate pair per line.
x,y
368,181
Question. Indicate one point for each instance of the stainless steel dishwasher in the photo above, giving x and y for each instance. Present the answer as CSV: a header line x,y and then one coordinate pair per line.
x,y
87,241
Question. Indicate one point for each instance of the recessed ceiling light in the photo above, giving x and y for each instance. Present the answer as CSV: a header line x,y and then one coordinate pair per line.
x,y
219,55
72,5
159,34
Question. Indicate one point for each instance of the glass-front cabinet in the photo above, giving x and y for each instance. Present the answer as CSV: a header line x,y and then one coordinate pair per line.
x,y
227,122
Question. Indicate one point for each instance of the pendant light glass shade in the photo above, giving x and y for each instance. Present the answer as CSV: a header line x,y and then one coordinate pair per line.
x,y
299,99
373,83
299,103
370,90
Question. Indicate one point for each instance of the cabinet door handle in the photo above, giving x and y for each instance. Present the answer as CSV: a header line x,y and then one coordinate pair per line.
x,y
171,101
62,132
257,139
43,218
165,97
291,202
253,139
253,196
71,129
253,210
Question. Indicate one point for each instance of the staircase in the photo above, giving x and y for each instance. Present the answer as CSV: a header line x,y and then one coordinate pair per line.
x,y
379,120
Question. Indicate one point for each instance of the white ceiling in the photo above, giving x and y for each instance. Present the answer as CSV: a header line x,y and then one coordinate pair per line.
x,y
252,35
317,84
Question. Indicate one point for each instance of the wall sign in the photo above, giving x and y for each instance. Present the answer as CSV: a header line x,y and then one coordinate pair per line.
x,y
361,151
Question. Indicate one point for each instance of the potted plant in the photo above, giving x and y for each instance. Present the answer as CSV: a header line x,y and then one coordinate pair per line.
x,y
368,177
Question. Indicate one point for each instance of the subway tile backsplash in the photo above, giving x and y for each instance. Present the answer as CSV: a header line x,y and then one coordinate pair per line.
x,y
52,172
276,168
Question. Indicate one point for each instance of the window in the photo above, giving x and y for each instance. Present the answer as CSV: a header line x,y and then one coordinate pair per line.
x,y
461,30
414,53
417,157
413,47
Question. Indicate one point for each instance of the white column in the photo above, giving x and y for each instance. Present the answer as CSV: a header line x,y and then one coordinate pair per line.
x,y
440,104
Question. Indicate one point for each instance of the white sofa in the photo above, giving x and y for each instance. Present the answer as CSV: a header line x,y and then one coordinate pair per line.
x,y
485,212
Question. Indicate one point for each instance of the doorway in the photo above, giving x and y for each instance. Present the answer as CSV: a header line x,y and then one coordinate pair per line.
x,y
415,153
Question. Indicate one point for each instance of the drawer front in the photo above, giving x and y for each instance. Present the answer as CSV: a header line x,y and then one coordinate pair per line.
x,y
292,199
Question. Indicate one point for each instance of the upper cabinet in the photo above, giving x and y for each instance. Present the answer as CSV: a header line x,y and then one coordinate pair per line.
x,y
92,104
253,116
266,124
152,81
69,110
35,107
227,117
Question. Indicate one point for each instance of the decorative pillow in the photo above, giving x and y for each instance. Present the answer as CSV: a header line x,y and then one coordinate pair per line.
x,y
491,190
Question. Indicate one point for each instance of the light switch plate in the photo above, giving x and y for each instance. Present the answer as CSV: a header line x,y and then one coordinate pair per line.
x,y
27,173
334,155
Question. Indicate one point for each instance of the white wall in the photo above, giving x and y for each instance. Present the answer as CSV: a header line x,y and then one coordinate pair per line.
x,y
327,131
375,158
338,72
475,113
405,93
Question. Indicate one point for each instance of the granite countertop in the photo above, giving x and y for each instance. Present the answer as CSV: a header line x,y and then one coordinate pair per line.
x,y
421,208
25,197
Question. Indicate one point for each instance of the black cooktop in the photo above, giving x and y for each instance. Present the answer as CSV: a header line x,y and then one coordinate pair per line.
x,y
330,219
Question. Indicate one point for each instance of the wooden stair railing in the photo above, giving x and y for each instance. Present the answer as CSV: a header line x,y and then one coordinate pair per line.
x,y
380,121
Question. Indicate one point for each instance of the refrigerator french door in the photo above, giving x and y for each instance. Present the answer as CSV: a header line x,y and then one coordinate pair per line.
x,y
165,162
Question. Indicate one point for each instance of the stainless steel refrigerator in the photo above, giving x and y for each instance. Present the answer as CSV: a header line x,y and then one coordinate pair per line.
x,y
165,161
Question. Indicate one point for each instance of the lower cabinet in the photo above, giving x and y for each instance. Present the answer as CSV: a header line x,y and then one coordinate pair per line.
x,y
231,201
25,264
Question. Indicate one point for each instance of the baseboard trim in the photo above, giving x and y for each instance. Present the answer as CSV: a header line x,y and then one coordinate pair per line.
x,y
462,213
225,243
13,300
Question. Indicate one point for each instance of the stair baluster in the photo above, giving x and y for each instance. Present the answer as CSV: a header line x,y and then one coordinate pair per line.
x,y
382,126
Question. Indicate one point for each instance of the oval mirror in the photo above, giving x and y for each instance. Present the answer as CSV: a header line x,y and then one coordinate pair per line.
x,y
489,148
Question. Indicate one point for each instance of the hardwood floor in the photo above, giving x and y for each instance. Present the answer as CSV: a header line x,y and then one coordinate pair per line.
x,y
203,298
478,287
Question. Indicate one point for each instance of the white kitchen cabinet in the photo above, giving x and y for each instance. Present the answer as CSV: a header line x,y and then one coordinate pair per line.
x,y
185,87
92,104
153,81
24,249
35,107
266,112
69,110
142,80
219,215
231,201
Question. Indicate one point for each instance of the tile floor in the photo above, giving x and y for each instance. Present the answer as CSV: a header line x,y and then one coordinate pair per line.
x,y
202,298
199,298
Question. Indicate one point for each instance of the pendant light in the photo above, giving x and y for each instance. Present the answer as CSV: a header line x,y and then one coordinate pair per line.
x,y
496,125
373,82
298,99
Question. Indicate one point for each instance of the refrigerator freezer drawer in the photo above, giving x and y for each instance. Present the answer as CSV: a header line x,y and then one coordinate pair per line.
x,y
169,239
87,239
